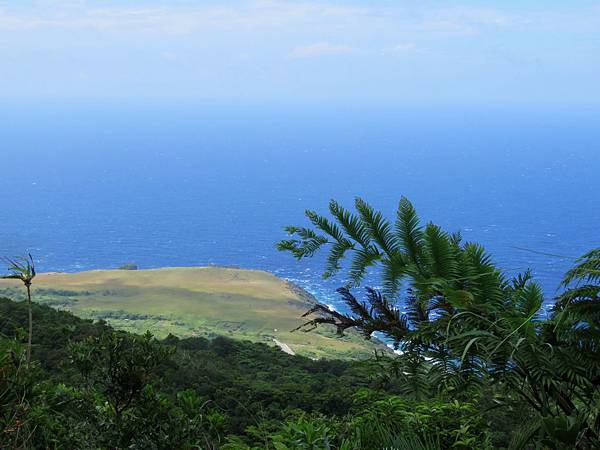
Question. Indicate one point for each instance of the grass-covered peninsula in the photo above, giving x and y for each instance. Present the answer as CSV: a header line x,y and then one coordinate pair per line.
x,y
195,302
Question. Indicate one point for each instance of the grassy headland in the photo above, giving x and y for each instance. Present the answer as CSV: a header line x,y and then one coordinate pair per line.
x,y
200,301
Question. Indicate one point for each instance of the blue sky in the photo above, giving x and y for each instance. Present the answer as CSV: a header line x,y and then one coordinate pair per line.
x,y
302,51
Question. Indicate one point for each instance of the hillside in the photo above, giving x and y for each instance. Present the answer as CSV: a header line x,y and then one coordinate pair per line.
x,y
240,381
194,302
90,387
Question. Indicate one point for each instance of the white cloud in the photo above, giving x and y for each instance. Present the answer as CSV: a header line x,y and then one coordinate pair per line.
x,y
320,49
405,47
284,15
181,19
244,47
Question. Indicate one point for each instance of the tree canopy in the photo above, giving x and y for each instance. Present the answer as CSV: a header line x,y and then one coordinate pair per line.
x,y
460,322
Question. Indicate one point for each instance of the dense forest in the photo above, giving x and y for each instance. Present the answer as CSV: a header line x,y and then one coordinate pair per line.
x,y
481,362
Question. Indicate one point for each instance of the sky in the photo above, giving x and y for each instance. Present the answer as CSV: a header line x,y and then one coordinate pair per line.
x,y
315,51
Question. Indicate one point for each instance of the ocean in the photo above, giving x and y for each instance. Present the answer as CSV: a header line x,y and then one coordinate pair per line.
x,y
97,186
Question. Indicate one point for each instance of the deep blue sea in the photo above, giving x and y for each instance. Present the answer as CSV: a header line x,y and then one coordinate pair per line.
x,y
97,186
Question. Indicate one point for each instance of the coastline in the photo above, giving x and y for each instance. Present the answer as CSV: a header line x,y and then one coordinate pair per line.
x,y
203,301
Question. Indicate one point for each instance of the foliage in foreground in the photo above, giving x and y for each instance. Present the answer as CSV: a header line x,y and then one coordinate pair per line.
x,y
466,325
92,387
23,269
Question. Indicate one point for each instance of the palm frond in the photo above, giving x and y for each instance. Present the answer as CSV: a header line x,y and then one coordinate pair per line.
x,y
440,252
351,224
380,230
361,261
394,272
21,268
523,436
336,254
308,244
409,232
586,270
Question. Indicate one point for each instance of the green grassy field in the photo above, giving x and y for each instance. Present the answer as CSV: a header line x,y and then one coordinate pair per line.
x,y
201,301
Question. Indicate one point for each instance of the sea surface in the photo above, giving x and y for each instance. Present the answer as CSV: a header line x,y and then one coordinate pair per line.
x,y
89,186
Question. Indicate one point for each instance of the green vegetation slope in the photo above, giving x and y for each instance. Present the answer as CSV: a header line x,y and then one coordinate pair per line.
x,y
91,387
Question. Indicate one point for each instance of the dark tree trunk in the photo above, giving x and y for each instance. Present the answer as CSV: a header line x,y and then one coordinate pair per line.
x,y
28,286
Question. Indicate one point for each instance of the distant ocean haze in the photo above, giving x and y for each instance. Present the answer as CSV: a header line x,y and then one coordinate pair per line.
x,y
91,187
